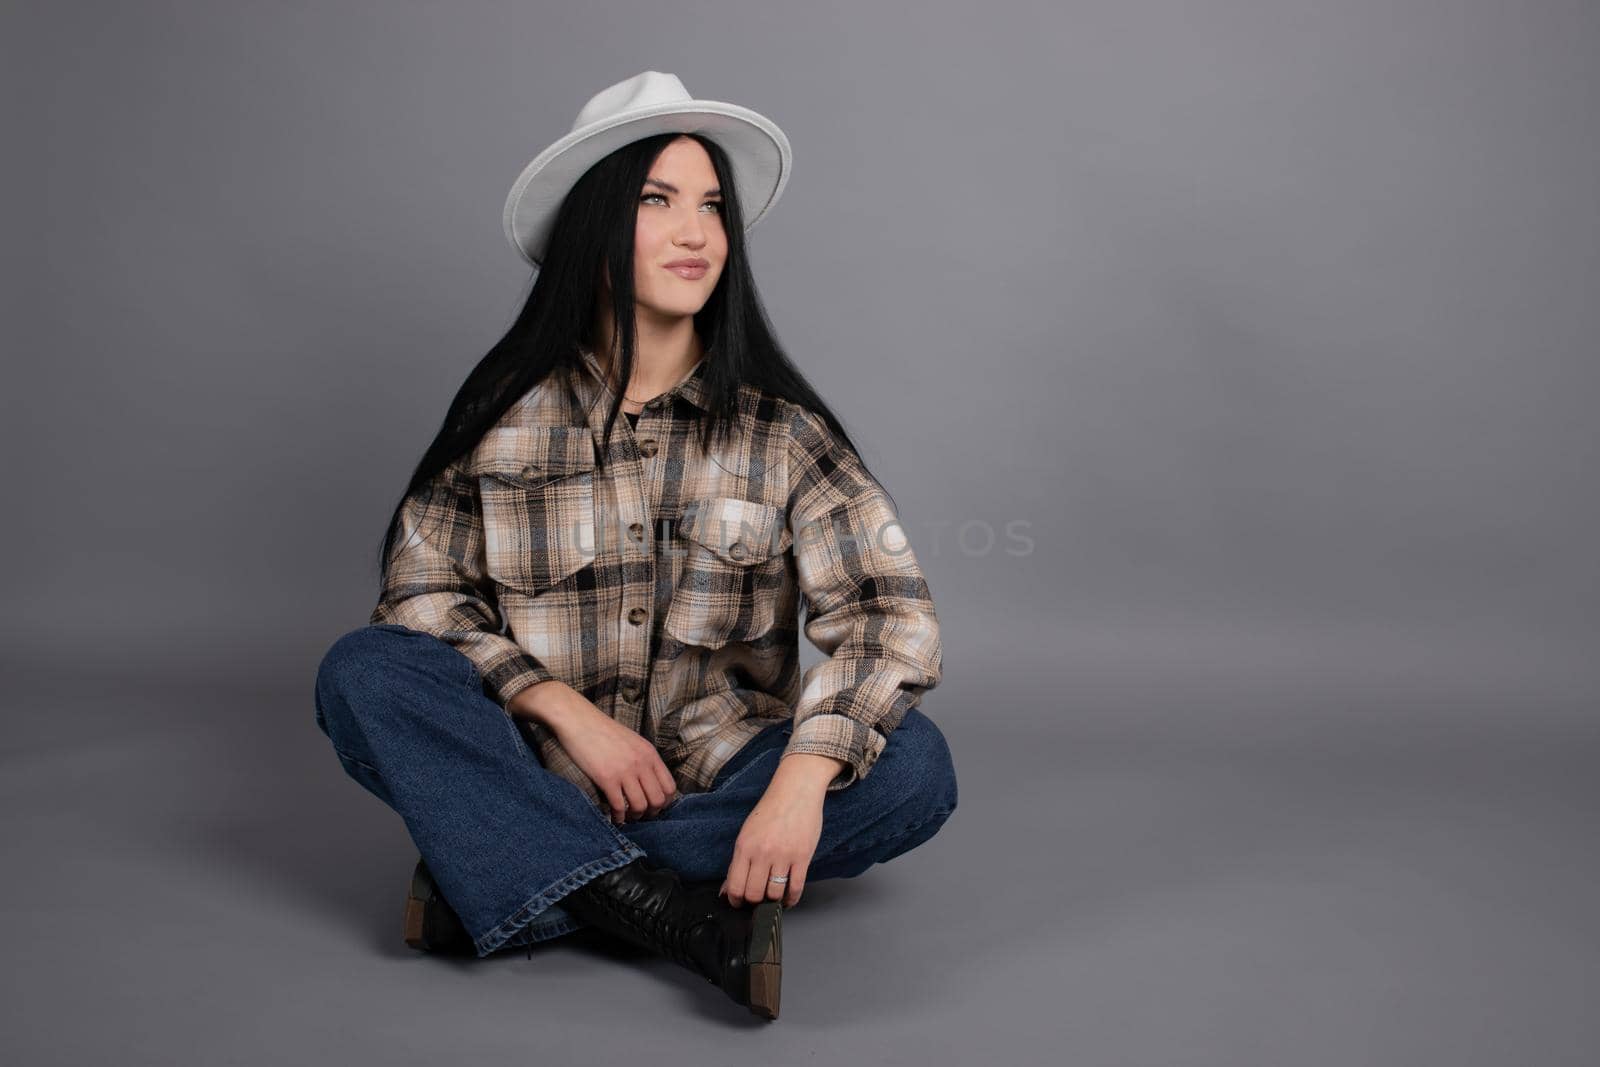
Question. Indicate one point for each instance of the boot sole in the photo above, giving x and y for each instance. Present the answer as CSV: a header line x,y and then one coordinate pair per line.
x,y
766,959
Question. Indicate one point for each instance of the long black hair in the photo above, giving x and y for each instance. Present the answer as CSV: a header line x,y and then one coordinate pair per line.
x,y
594,229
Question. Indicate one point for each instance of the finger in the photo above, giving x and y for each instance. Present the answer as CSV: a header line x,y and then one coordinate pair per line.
x,y
776,890
654,794
738,871
617,802
754,890
669,785
635,797
797,882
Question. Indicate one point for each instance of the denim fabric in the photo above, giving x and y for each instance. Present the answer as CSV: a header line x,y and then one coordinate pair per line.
x,y
411,721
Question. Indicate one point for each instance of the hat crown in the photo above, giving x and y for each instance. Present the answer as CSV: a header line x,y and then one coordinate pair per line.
x,y
649,103
640,91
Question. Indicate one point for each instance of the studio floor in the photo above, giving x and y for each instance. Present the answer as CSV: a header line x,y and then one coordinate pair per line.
x,y
1280,864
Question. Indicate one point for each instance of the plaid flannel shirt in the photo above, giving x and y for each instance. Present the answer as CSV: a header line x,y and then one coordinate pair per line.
x,y
666,589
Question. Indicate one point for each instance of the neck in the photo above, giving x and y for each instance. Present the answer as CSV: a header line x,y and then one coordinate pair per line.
x,y
663,354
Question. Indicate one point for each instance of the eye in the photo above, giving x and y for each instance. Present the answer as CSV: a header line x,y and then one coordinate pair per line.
x,y
647,197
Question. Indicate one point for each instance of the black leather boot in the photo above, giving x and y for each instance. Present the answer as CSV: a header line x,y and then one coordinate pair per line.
x,y
738,949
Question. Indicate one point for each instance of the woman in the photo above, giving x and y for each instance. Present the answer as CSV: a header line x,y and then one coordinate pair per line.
x,y
580,687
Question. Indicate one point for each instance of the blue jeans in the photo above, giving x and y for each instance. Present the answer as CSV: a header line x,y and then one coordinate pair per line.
x,y
505,839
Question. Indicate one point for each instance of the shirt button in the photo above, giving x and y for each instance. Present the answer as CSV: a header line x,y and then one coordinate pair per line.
x,y
737,550
630,694
647,448
637,616
636,531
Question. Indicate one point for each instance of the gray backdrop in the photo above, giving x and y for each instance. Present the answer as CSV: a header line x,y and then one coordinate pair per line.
x,y
1231,364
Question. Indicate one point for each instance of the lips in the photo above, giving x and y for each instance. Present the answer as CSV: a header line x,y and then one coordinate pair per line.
x,y
689,268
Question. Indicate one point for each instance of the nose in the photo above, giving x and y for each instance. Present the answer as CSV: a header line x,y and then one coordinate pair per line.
x,y
692,232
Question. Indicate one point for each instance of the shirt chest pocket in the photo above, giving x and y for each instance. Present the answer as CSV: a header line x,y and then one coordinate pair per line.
x,y
536,488
734,583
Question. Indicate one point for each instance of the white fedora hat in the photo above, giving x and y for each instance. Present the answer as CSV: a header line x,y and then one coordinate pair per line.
x,y
646,104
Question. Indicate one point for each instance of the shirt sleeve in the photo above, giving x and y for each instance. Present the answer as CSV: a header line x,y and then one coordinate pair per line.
x,y
867,605
436,584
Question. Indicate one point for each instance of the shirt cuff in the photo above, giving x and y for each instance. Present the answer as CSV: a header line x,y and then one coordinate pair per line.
x,y
841,737
510,675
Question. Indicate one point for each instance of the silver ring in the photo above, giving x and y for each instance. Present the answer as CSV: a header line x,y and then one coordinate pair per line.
x,y
779,878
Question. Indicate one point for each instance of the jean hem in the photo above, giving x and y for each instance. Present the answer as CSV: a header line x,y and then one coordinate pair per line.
x,y
536,932
547,896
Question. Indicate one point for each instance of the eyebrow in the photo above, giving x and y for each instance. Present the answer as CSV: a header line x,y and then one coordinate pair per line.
x,y
673,189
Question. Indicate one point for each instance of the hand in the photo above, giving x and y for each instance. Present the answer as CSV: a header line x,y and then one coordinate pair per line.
x,y
625,767
778,837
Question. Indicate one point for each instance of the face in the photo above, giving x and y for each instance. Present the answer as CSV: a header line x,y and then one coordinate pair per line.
x,y
680,218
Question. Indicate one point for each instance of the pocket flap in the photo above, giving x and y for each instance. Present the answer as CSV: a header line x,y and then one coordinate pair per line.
x,y
534,453
737,530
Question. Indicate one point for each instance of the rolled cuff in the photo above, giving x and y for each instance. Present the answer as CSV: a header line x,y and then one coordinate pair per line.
x,y
843,738
510,675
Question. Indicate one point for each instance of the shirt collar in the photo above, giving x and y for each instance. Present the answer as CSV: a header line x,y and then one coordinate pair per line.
x,y
691,386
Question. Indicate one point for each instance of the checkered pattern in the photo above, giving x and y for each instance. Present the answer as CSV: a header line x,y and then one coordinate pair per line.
x,y
667,587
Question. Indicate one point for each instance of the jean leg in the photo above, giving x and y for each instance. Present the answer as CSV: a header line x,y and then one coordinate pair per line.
x,y
695,835
903,800
504,838
907,796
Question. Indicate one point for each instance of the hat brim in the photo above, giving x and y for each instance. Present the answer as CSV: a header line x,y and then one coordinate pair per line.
x,y
757,147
